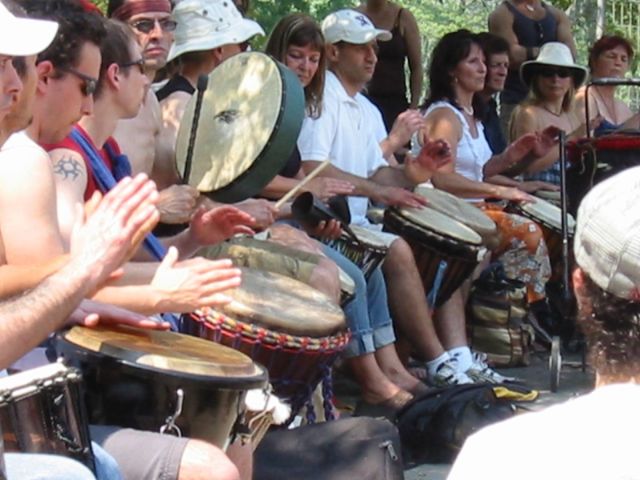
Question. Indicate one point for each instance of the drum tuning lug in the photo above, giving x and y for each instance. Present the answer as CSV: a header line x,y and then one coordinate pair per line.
x,y
170,426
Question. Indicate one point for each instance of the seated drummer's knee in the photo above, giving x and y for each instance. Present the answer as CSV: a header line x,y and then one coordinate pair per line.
x,y
204,461
400,252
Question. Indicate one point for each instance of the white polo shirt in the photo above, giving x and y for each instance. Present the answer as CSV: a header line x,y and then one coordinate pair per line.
x,y
345,133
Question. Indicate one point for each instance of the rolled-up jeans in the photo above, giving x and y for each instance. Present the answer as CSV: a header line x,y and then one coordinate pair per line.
x,y
367,314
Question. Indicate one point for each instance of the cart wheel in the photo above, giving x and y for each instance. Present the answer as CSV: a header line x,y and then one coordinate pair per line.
x,y
555,364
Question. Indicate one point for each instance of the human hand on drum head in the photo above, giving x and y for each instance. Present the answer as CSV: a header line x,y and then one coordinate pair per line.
x,y
534,186
177,203
263,211
398,197
91,313
111,228
215,225
514,195
191,284
325,187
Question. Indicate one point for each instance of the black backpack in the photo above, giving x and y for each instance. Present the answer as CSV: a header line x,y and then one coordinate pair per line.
x,y
433,427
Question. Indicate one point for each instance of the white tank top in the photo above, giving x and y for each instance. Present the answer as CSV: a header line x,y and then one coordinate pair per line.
x,y
472,153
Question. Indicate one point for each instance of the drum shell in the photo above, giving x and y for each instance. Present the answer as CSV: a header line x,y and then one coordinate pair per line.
x,y
429,249
295,369
367,257
51,420
126,395
593,161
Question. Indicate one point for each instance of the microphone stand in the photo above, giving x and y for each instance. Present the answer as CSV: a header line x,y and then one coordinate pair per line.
x,y
566,291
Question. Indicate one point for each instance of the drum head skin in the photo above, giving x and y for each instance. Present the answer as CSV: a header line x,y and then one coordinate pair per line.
x,y
283,304
458,209
251,116
166,352
368,237
433,220
547,214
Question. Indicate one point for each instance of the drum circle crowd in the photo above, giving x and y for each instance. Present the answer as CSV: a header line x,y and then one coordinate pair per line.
x,y
192,228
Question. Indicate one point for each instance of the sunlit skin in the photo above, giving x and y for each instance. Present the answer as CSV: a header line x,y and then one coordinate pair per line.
x,y
469,74
304,62
611,63
10,83
497,69
155,44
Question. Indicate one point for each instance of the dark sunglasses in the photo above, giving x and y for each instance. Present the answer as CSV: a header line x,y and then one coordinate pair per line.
x,y
146,25
551,72
89,84
140,63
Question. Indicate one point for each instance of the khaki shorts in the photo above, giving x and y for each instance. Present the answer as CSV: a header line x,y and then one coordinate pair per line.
x,y
265,255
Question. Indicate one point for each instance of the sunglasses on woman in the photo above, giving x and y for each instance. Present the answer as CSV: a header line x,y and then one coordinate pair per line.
x,y
549,72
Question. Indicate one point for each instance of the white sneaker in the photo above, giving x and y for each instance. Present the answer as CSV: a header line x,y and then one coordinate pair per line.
x,y
480,372
447,374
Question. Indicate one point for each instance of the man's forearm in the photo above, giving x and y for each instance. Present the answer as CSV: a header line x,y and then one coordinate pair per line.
x,y
363,186
27,319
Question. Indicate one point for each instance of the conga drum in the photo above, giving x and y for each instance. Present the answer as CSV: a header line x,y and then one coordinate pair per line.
x,y
161,381
463,212
295,331
364,248
446,251
595,159
250,117
41,411
549,218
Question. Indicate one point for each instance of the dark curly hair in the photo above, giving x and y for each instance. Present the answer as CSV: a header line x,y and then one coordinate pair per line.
x,y
611,326
450,50
76,27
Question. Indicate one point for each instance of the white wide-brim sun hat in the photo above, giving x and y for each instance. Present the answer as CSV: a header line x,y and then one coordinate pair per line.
x,y
209,24
553,54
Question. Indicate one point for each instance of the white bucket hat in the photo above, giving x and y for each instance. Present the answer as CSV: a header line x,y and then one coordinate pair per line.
x,y
24,36
352,27
209,24
553,54
607,238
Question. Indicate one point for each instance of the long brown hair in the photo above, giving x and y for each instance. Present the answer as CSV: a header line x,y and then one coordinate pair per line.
x,y
301,30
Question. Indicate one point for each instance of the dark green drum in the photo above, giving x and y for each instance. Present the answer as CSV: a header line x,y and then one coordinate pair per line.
x,y
251,115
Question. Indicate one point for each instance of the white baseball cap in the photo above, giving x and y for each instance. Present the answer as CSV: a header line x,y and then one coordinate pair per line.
x,y
607,238
24,36
352,27
209,24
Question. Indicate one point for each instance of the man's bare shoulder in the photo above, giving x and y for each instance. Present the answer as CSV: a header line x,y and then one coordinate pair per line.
x,y
21,157
500,14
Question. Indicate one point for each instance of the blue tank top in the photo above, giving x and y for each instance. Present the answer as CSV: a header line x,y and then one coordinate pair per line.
x,y
530,33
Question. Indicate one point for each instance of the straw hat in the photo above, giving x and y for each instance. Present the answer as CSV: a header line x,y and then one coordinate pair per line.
x,y
553,54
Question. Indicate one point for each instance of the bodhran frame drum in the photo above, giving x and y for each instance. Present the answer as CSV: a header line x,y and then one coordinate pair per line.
x,y
41,411
549,218
434,239
295,331
367,250
161,381
250,117
463,212
594,160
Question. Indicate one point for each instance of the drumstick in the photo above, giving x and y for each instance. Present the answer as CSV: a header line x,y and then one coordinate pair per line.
x,y
314,173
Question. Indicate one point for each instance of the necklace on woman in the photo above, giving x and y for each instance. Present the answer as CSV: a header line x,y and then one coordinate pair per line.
x,y
468,110
551,111
531,8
